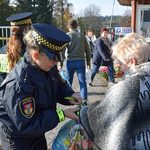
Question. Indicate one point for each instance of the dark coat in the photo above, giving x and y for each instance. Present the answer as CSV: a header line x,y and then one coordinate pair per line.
x,y
101,53
28,98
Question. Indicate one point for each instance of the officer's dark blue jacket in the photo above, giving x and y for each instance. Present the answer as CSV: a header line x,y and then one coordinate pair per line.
x,y
101,52
27,83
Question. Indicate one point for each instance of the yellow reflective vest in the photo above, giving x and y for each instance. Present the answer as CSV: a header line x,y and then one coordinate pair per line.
x,y
4,63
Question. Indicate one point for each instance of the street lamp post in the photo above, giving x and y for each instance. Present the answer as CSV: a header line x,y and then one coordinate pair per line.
x,y
112,14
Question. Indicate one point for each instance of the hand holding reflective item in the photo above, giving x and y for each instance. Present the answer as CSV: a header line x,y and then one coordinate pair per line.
x,y
71,113
75,99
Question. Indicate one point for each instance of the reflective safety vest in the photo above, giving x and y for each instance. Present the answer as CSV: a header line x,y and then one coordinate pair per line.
x,y
4,63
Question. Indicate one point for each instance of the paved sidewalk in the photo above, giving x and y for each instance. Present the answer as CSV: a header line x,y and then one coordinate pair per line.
x,y
95,93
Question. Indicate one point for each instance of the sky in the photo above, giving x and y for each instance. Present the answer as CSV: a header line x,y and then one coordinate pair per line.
x,y
106,6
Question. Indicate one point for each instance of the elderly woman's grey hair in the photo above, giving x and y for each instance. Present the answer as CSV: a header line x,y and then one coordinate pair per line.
x,y
132,45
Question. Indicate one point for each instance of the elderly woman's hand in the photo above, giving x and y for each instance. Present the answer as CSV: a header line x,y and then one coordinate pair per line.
x,y
71,113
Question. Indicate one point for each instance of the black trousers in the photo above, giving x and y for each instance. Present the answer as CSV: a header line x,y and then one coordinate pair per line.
x,y
21,143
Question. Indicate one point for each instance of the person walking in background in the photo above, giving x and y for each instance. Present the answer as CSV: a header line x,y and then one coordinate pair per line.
x,y
15,48
77,51
31,91
102,56
121,121
91,40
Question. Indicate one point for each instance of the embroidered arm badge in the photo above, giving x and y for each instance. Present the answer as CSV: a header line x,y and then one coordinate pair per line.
x,y
27,107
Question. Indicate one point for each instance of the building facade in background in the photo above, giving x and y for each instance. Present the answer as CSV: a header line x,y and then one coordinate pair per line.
x,y
140,16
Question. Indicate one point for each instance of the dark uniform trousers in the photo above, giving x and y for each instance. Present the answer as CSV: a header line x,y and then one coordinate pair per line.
x,y
22,143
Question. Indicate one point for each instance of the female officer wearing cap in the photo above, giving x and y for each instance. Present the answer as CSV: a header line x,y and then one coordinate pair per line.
x,y
15,49
30,92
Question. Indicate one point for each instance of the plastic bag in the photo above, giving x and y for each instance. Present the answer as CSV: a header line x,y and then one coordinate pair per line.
x,y
79,139
64,76
88,76
62,140
72,136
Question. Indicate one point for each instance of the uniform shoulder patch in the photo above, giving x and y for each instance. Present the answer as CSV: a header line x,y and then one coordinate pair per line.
x,y
27,107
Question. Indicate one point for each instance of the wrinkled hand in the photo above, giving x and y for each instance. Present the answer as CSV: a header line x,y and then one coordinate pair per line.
x,y
71,113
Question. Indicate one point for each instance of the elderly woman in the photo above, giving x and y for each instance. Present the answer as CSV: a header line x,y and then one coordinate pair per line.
x,y
122,120
31,91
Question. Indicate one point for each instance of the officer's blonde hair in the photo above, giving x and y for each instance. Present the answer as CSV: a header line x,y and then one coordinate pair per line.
x,y
30,41
132,46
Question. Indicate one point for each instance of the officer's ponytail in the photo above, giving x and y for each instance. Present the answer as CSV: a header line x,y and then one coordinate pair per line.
x,y
14,46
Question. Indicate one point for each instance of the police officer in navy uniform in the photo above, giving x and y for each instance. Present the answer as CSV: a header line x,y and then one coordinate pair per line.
x,y
20,23
30,92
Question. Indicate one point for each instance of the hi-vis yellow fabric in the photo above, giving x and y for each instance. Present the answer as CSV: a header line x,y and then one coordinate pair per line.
x,y
4,63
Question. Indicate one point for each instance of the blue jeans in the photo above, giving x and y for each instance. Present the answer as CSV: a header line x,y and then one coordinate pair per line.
x,y
77,66
110,72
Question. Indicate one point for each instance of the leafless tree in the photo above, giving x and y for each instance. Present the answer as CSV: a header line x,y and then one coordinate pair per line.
x,y
92,10
92,17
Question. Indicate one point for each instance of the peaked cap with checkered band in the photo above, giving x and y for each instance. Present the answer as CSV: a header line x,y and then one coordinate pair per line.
x,y
20,19
49,38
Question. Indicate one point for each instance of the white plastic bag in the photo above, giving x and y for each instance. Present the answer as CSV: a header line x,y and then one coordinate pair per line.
x,y
88,76
64,76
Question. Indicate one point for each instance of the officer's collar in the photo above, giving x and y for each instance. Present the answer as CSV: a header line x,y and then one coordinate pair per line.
x,y
37,74
35,65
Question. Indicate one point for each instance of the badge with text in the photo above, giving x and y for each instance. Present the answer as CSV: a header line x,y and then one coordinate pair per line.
x,y
27,107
